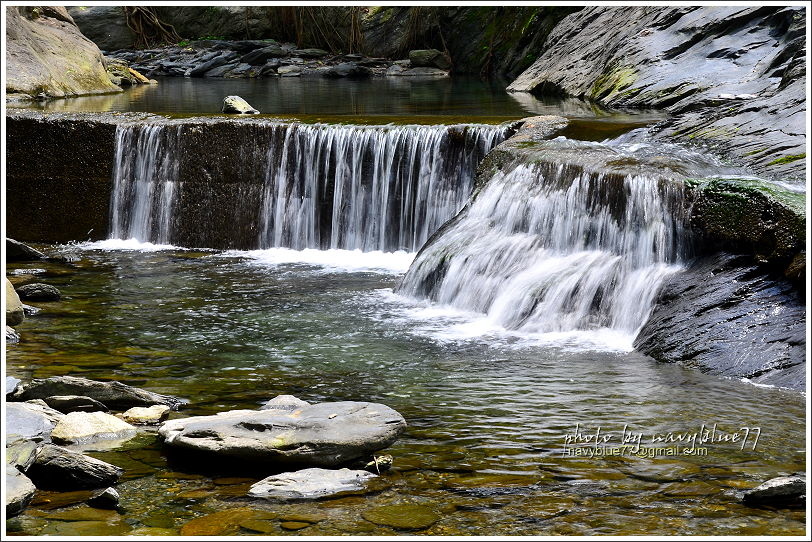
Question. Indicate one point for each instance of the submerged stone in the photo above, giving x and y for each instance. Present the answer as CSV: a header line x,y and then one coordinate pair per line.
x,y
407,517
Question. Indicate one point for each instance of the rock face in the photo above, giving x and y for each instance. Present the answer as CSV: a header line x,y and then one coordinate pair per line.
x,y
313,483
726,315
84,427
672,58
105,25
235,104
20,252
114,394
38,292
19,491
60,469
14,307
323,435
781,491
47,55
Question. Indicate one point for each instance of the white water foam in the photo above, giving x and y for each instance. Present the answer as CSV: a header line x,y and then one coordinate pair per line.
x,y
331,260
132,245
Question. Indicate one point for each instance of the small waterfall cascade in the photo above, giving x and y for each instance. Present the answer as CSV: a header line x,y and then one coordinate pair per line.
x,y
368,187
144,182
320,186
555,247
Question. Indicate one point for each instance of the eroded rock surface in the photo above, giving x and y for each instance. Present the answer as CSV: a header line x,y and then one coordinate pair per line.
x,y
313,483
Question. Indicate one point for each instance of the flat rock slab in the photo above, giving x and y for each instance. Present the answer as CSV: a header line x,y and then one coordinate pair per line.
x,y
313,483
113,394
84,427
29,422
19,491
58,468
322,435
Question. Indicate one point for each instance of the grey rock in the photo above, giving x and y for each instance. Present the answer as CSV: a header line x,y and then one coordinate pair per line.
x,y
243,70
420,72
105,25
721,306
395,69
22,454
11,384
672,58
269,67
60,469
12,337
312,483
287,403
215,62
323,435
74,403
235,104
27,422
29,310
429,58
114,395
221,71
86,427
347,69
260,56
19,491
289,71
107,499
20,252
38,292
311,53
780,491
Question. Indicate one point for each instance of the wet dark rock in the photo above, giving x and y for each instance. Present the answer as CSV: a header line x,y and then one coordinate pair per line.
x,y
74,403
19,491
27,422
405,517
311,53
114,395
20,252
781,491
38,292
221,71
287,403
347,69
243,70
61,469
416,72
312,483
261,56
429,58
235,104
322,435
106,499
718,309
671,57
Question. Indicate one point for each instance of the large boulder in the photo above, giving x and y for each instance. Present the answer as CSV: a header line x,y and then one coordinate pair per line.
x,y
19,491
733,76
114,395
322,435
85,427
38,292
312,483
235,104
48,57
60,469
105,25
30,422
14,307
258,57
20,252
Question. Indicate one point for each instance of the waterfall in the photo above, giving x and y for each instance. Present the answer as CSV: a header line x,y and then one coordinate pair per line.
x,y
368,187
144,182
265,184
549,247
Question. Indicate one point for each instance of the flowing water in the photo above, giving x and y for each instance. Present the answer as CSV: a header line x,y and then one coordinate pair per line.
x,y
488,414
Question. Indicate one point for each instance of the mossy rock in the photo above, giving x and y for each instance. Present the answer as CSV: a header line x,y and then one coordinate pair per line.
x,y
760,217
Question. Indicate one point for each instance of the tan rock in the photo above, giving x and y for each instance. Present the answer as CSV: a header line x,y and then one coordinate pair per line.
x,y
14,307
83,427
146,415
